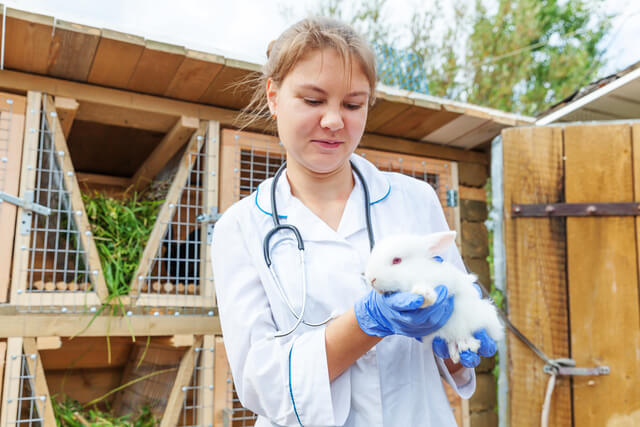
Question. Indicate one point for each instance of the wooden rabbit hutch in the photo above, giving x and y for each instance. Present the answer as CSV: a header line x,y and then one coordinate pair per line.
x,y
86,110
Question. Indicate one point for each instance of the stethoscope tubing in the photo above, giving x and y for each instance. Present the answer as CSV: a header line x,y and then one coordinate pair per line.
x,y
300,243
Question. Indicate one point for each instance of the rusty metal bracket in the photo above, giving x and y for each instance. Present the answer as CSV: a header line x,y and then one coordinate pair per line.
x,y
575,209
568,367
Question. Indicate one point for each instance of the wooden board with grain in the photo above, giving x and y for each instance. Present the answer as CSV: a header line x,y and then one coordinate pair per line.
x,y
38,382
228,89
11,384
72,50
221,386
3,351
28,39
194,75
205,372
156,67
117,55
535,273
210,206
603,275
11,137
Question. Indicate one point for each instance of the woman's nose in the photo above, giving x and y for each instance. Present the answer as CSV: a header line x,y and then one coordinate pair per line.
x,y
332,120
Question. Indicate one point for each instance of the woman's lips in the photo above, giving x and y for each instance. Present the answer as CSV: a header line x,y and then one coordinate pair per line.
x,y
327,143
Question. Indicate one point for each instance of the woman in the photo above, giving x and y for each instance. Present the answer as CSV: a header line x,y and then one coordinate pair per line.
x,y
365,367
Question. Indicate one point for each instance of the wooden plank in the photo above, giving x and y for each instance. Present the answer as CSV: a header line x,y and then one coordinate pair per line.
x,y
479,135
125,117
72,50
173,141
11,385
535,273
96,179
185,340
226,89
472,193
87,353
210,206
116,57
71,185
168,208
66,109
455,209
48,343
27,183
194,76
39,383
3,352
83,385
603,275
156,68
635,135
70,325
417,148
176,398
56,298
114,97
409,120
384,112
229,169
221,387
27,40
205,381
435,121
455,129
11,137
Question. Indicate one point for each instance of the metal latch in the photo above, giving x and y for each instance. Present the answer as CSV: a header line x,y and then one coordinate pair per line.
x,y
452,198
209,219
567,367
25,204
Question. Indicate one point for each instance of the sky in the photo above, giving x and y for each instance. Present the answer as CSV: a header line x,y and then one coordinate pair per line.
x,y
242,29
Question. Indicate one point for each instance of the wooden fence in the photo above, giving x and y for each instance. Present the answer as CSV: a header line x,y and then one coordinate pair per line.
x,y
572,281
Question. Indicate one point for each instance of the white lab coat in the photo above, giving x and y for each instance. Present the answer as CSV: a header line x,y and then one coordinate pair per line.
x,y
397,383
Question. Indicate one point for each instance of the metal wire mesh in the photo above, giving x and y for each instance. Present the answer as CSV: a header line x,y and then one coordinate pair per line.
x,y
239,416
193,402
29,406
257,163
57,261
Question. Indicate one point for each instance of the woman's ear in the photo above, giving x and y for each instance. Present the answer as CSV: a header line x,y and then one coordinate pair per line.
x,y
272,96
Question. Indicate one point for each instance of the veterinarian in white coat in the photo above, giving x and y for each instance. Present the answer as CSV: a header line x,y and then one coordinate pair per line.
x,y
306,378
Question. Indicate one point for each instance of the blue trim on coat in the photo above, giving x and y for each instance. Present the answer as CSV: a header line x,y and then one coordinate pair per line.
x,y
295,410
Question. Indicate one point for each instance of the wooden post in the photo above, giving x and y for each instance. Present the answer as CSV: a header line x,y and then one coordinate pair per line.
x,y
210,206
170,144
11,386
221,385
67,108
27,182
603,275
3,351
536,285
205,380
40,388
10,177
183,378
456,209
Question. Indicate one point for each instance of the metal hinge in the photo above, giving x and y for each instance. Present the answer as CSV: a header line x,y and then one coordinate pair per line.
x,y
452,198
567,367
209,219
27,205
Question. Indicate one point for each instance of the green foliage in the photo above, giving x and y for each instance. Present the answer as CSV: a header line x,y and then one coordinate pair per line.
x,y
521,56
120,229
71,413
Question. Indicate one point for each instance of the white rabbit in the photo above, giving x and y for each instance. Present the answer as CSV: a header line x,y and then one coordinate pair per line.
x,y
404,262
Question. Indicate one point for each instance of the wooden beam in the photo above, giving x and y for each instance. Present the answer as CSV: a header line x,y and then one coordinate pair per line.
x,y
72,50
221,388
206,381
3,352
210,205
156,67
114,97
39,383
183,378
416,148
472,193
28,40
170,145
116,57
125,117
70,325
183,340
66,109
96,179
48,343
11,385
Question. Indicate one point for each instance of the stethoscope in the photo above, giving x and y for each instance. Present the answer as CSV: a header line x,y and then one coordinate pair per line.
x,y
277,227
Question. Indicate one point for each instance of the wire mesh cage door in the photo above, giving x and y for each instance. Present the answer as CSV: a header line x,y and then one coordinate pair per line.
x,y
442,175
25,396
11,131
174,275
56,267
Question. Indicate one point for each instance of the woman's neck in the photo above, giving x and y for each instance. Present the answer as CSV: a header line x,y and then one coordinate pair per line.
x,y
324,194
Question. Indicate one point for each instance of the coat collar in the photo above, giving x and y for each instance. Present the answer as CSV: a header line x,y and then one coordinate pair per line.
x,y
294,212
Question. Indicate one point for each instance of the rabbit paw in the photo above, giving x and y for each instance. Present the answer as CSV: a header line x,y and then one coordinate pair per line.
x,y
430,295
469,343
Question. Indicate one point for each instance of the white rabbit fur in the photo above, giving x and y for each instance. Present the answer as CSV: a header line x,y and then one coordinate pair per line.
x,y
417,272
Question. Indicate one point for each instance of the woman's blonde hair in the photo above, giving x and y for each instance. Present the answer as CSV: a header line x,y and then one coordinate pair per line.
x,y
306,36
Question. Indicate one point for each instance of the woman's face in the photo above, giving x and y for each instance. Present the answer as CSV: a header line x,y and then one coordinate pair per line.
x,y
321,110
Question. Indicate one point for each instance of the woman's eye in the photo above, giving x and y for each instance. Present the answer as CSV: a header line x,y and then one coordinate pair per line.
x,y
312,101
353,106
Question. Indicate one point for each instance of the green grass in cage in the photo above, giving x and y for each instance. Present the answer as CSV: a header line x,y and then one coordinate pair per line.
x,y
120,230
71,413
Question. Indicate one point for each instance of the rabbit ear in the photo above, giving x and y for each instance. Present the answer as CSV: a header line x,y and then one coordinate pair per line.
x,y
437,242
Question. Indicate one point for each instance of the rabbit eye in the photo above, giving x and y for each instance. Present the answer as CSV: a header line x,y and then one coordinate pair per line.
x,y
396,260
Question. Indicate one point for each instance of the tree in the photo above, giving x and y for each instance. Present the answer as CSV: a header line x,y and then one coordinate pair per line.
x,y
522,57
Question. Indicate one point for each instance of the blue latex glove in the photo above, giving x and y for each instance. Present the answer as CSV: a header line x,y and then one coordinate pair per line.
x,y
468,358
399,313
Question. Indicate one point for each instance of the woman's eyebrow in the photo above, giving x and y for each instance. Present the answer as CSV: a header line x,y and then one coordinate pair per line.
x,y
324,92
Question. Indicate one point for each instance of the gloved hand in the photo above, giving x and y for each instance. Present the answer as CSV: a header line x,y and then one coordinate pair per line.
x,y
468,358
399,313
